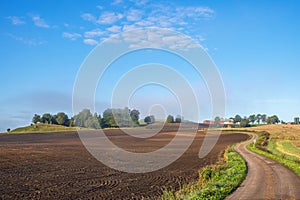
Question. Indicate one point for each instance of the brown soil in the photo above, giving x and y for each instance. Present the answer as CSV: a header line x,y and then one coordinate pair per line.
x,y
57,166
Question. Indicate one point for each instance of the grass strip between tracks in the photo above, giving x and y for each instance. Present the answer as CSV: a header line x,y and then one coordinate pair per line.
x,y
215,181
262,147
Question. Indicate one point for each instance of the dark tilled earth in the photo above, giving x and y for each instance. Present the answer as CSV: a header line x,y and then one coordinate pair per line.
x,y
57,166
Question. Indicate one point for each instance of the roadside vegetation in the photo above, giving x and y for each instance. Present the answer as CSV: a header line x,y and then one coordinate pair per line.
x,y
266,146
215,181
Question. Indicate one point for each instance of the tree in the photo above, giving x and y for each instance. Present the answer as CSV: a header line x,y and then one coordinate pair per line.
x,y
36,118
217,120
134,114
108,119
269,120
120,118
47,118
62,119
149,119
92,122
82,117
273,120
8,130
178,119
283,122
99,118
252,118
258,118
237,119
264,118
170,119
71,122
244,122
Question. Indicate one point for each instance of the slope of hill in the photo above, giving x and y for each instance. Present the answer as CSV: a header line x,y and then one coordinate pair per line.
x,y
43,128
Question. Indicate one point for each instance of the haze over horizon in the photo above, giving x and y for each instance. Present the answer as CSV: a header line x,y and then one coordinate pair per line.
x,y
254,44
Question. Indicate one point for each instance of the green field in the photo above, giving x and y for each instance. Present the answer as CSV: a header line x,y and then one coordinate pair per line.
x,y
287,147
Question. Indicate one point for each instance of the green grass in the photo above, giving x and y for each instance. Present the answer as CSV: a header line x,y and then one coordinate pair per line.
x,y
215,181
273,147
268,149
43,128
289,148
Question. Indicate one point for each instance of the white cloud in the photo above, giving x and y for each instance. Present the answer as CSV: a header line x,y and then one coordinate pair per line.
x,y
93,33
31,42
16,20
144,23
134,15
114,29
140,2
116,2
198,12
71,36
39,22
109,18
201,38
142,14
100,7
88,17
157,38
90,41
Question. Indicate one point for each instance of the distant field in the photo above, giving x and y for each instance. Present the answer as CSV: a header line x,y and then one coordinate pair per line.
x,y
283,138
43,128
280,131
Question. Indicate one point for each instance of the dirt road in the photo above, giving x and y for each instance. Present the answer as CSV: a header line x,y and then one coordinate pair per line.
x,y
266,179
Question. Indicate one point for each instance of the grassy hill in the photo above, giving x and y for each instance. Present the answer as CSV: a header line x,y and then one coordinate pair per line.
x,y
43,128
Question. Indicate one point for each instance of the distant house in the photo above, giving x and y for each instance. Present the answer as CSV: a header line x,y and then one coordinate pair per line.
x,y
225,123
208,122
230,122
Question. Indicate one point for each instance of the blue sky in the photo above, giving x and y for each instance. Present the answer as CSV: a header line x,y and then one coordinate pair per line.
x,y
255,45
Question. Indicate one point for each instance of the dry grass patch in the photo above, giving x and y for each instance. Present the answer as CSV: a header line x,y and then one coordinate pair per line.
x,y
280,131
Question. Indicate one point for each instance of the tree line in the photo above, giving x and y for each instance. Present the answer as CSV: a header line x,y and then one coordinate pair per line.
x,y
110,118
114,118
171,119
253,119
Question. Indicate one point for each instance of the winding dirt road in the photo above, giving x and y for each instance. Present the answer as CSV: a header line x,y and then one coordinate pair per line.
x,y
266,179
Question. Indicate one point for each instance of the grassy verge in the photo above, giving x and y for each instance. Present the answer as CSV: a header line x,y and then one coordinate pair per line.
x,y
215,181
266,148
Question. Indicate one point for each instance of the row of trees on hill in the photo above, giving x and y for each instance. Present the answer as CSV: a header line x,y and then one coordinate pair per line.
x,y
60,118
253,119
258,119
110,118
